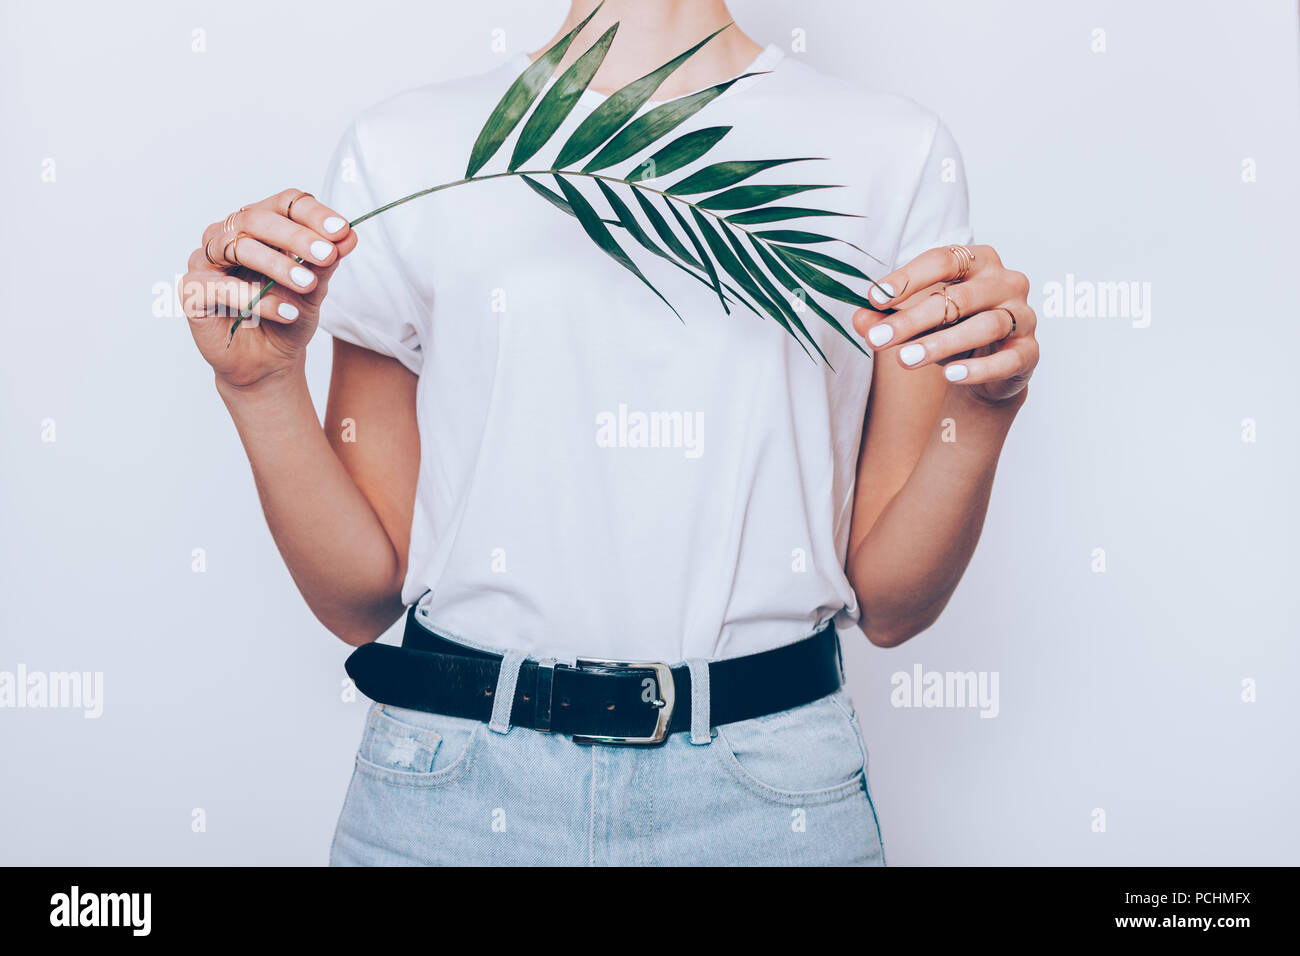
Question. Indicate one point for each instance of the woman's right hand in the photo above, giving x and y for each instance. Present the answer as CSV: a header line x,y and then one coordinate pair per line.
x,y
269,234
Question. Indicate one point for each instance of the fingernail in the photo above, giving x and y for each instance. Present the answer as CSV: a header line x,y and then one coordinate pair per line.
x,y
878,335
334,224
287,310
881,292
320,249
911,354
301,277
955,373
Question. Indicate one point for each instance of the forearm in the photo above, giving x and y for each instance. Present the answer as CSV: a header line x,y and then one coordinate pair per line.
x,y
336,548
906,567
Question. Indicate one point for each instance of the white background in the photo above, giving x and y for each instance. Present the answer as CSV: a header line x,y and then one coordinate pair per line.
x,y
1118,690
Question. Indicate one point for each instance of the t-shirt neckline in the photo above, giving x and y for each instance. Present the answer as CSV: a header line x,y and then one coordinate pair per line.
x,y
766,61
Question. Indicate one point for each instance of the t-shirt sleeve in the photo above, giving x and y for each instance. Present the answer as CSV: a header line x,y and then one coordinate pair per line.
x,y
940,212
371,301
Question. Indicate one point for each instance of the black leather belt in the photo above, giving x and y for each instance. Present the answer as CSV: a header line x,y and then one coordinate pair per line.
x,y
597,701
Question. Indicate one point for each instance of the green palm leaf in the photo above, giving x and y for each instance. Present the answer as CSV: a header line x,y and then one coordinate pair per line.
x,y
610,115
600,235
733,267
660,121
517,99
791,320
793,285
826,262
683,150
798,236
699,251
742,197
554,198
753,217
721,175
629,222
768,267
660,226
822,282
794,236
560,100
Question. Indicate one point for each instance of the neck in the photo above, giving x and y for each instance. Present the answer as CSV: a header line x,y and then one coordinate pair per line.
x,y
651,33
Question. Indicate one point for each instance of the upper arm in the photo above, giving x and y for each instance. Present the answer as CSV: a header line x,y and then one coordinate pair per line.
x,y
903,406
371,424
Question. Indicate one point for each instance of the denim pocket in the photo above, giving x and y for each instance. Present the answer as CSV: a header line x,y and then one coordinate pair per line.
x,y
803,756
411,748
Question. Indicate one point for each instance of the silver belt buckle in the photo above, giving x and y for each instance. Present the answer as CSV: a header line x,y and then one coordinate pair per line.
x,y
666,692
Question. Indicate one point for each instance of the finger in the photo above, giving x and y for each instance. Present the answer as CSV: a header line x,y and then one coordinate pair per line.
x,y
287,221
983,328
219,294
1014,359
252,254
311,212
273,229
934,265
930,311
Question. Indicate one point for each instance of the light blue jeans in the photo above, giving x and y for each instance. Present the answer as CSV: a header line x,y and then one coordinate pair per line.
x,y
786,789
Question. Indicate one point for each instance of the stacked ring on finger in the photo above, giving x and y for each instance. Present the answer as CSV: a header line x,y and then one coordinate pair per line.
x,y
965,259
948,301
1012,330
207,253
288,213
228,248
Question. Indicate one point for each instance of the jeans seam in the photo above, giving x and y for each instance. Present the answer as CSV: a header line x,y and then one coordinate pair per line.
x,y
591,824
866,789
347,800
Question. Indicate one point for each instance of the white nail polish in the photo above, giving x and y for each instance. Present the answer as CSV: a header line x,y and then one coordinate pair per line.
x,y
955,373
878,335
881,292
320,250
287,310
912,354
334,224
301,277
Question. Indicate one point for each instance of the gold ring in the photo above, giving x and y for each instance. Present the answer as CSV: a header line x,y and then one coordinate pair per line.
x,y
965,259
208,255
1013,321
948,301
228,228
232,243
289,212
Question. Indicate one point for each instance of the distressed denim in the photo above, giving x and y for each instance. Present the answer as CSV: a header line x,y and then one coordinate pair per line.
x,y
785,789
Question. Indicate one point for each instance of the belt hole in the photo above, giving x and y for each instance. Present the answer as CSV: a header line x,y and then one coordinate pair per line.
x,y
564,702
609,705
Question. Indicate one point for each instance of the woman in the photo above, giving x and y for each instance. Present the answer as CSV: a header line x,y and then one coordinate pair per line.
x,y
484,460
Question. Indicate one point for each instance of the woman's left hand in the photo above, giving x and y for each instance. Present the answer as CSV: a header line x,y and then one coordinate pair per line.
x,y
958,307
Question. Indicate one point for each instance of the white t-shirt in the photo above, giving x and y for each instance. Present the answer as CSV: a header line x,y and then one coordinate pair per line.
x,y
596,477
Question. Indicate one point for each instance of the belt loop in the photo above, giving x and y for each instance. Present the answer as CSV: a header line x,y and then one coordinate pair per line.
x,y
839,654
700,717
504,700
545,688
